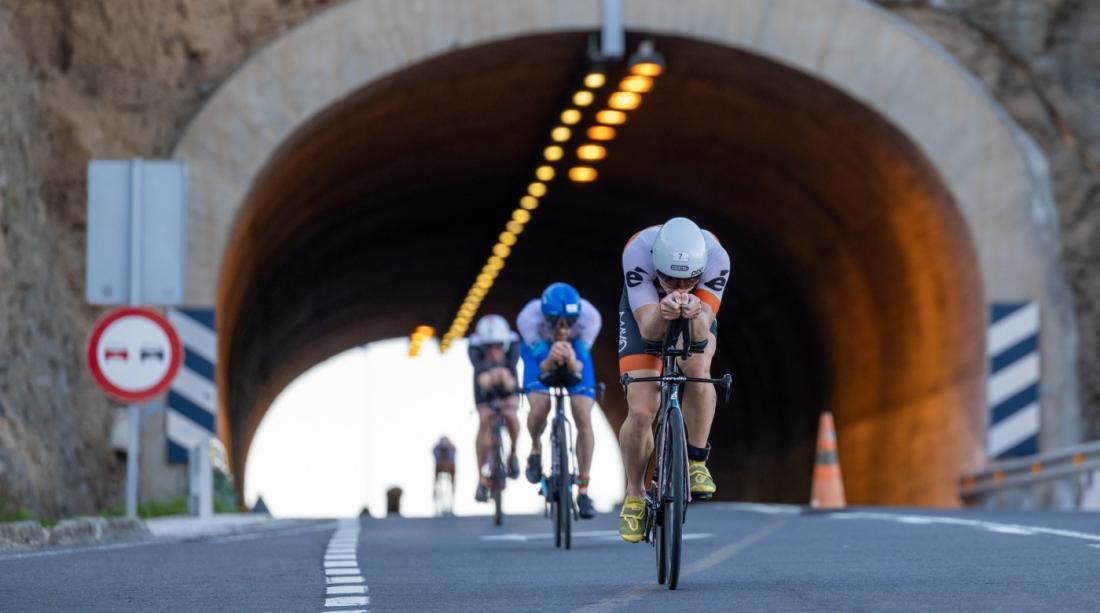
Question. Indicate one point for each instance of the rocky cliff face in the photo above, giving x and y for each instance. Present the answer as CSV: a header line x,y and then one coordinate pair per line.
x,y
121,78
109,78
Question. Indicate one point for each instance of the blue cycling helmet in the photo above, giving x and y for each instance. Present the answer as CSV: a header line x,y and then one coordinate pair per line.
x,y
561,300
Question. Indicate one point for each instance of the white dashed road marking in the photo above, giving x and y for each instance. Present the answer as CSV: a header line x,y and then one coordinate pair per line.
x,y
990,526
342,571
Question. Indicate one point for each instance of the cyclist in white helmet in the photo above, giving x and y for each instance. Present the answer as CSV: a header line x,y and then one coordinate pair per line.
x,y
670,271
494,352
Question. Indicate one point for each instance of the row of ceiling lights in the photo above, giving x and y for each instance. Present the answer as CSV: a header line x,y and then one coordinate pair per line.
x,y
417,338
643,67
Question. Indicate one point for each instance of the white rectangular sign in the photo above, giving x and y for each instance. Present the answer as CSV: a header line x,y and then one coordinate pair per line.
x,y
160,191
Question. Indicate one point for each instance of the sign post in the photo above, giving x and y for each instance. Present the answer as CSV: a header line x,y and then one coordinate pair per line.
x,y
135,255
134,354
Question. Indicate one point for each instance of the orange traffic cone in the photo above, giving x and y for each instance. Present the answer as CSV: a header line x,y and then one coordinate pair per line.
x,y
828,488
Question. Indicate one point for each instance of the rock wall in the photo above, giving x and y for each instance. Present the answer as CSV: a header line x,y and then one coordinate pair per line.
x,y
103,78
121,78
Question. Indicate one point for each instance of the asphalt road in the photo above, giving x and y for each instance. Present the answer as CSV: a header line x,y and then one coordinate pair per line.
x,y
737,557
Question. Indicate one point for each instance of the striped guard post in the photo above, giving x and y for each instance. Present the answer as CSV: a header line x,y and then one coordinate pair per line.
x,y
193,398
1012,392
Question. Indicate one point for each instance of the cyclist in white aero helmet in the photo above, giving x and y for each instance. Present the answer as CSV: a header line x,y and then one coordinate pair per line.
x,y
494,352
670,271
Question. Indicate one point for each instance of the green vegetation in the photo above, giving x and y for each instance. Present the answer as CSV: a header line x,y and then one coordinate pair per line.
x,y
152,508
20,514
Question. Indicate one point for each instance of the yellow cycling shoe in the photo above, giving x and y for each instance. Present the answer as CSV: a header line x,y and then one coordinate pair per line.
x,y
632,520
702,484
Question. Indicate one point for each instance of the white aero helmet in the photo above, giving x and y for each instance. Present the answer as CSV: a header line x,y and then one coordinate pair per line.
x,y
494,329
680,251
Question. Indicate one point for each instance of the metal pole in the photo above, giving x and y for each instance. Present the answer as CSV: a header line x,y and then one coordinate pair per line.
x,y
611,42
133,449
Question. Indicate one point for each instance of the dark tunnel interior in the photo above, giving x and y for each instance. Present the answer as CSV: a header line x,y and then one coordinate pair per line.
x,y
854,285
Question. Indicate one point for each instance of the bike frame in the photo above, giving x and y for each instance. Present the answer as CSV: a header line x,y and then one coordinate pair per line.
x,y
663,489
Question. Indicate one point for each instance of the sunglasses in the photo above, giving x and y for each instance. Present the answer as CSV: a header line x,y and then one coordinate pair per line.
x,y
494,346
678,283
554,321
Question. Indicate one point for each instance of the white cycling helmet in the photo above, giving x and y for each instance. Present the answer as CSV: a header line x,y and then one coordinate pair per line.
x,y
680,251
492,329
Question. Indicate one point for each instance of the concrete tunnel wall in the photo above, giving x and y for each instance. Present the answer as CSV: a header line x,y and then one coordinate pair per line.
x,y
843,233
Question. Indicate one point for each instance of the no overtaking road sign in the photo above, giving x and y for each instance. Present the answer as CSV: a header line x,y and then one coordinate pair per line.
x,y
134,354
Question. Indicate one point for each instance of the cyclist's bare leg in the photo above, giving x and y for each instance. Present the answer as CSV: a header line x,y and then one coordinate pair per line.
x,y
636,435
536,418
699,398
582,416
508,407
484,438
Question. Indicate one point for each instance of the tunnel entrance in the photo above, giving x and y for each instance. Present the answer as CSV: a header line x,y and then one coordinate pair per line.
x,y
854,285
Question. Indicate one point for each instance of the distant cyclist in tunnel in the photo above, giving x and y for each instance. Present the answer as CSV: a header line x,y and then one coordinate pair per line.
x,y
494,352
670,271
558,331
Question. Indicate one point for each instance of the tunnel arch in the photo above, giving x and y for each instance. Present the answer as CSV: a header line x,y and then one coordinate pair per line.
x,y
288,106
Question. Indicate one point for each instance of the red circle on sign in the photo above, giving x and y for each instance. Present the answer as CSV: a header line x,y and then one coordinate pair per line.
x,y
162,383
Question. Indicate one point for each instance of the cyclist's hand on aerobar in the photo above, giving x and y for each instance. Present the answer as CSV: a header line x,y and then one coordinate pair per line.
x,y
562,352
690,306
670,306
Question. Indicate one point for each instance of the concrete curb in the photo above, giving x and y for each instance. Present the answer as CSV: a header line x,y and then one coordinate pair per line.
x,y
76,531
23,535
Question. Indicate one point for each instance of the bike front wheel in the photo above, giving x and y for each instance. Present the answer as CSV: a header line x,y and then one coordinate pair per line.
x,y
565,496
661,545
673,510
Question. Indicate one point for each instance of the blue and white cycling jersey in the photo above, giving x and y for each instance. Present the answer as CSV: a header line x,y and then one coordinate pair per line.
x,y
537,336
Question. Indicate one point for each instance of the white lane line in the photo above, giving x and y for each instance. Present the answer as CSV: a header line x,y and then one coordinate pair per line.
x,y
991,526
515,536
691,536
341,571
346,589
348,579
623,599
342,574
753,507
346,601
601,535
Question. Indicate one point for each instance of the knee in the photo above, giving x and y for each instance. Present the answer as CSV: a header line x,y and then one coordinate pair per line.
x,y
486,419
697,366
640,419
583,418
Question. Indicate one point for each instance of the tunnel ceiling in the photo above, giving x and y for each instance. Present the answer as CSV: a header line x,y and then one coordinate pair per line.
x,y
850,263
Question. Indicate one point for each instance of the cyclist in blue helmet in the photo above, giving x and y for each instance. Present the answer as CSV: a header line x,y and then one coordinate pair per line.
x,y
558,331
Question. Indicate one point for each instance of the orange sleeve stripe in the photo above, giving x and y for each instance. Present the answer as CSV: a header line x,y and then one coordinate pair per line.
x,y
708,298
639,361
